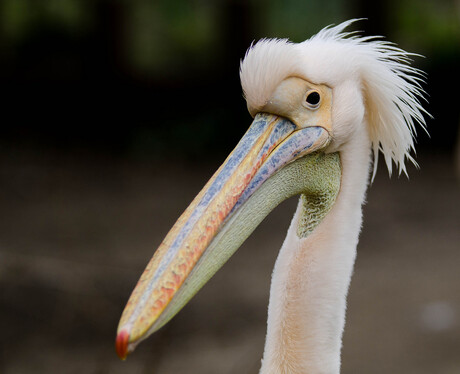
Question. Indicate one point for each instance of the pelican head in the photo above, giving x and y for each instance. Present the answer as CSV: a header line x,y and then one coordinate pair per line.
x,y
320,108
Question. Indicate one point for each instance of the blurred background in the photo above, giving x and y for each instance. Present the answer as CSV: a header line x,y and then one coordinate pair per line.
x,y
115,114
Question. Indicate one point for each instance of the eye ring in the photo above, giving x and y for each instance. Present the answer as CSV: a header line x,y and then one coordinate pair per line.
x,y
312,99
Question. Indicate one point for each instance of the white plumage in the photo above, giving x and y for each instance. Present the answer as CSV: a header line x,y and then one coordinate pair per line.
x,y
390,87
365,100
375,107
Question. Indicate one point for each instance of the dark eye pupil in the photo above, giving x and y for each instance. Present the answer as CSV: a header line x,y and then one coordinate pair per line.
x,y
313,98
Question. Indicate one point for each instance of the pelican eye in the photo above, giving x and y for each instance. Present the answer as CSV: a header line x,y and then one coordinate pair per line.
x,y
313,99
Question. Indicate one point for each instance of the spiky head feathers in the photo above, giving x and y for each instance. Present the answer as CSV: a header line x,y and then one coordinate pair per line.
x,y
390,88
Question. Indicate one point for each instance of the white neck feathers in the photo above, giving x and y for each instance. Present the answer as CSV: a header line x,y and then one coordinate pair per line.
x,y
311,278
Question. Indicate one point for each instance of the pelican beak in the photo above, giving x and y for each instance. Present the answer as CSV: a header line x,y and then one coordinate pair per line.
x,y
240,194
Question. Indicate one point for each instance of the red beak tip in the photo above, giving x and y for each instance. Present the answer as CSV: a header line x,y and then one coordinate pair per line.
x,y
121,344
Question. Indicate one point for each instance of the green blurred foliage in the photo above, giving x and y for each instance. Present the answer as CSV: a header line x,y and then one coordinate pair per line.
x,y
298,20
161,36
20,18
428,25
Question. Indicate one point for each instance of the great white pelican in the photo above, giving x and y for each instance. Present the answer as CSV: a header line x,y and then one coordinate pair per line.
x,y
323,111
